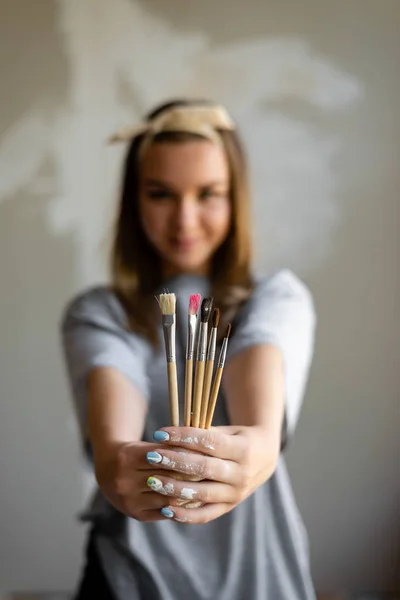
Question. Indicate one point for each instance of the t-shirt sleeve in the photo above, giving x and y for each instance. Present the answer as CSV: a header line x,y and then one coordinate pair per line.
x,y
281,313
94,334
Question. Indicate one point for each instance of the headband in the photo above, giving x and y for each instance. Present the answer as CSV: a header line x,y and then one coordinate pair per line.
x,y
205,121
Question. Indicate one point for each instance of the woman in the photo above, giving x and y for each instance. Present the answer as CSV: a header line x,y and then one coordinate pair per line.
x,y
183,224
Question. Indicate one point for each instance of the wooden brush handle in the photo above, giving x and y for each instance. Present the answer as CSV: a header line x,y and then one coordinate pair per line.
x,y
198,392
214,396
188,392
206,393
173,393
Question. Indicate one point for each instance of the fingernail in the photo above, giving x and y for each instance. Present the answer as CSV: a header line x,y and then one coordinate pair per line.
x,y
167,512
154,483
160,436
153,458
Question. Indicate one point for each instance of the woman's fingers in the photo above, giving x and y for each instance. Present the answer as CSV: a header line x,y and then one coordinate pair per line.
x,y
194,465
196,516
191,450
149,515
176,479
190,492
226,443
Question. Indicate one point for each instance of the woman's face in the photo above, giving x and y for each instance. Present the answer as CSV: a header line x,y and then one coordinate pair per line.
x,y
184,203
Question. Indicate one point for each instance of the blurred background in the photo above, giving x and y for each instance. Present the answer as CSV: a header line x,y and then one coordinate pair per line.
x,y
315,88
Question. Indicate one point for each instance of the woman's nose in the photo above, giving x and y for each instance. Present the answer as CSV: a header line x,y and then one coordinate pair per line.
x,y
186,213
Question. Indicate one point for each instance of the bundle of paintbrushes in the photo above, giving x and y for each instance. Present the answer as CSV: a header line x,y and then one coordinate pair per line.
x,y
200,398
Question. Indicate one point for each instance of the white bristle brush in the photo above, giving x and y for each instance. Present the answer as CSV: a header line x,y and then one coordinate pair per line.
x,y
167,304
205,312
209,368
194,304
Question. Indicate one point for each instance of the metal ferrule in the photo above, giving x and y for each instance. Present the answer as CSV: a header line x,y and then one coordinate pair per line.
x,y
212,344
168,322
191,332
222,356
202,347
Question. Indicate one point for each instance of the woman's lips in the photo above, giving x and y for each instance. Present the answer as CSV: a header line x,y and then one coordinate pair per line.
x,y
184,243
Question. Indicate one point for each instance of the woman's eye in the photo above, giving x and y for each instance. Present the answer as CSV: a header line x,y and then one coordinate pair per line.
x,y
212,195
206,194
158,195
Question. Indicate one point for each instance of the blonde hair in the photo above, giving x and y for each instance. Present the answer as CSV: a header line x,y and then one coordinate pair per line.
x,y
136,266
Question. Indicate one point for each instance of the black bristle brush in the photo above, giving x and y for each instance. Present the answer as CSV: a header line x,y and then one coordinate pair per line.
x,y
205,312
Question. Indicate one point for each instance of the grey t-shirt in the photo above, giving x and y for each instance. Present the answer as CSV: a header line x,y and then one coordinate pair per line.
x,y
258,551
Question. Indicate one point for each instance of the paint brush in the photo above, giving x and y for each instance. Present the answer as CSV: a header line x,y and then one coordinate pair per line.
x,y
167,304
217,379
205,311
194,303
209,367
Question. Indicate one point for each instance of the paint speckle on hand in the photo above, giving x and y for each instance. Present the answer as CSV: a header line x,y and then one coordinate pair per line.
x,y
190,440
169,489
182,520
168,462
188,493
207,445
194,505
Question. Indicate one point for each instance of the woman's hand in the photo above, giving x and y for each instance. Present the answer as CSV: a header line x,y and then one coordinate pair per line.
x,y
230,462
122,472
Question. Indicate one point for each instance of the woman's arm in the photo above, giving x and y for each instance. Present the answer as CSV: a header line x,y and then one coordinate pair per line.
x,y
254,387
116,413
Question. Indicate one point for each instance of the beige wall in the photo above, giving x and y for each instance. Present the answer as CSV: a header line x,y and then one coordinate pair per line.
x,y
315,86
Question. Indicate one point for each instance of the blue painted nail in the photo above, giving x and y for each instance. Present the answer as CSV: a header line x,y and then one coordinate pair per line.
x,y
153,457
167,512
160,436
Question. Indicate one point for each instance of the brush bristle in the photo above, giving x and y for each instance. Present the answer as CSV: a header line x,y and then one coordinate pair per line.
x,y
228,331
194,303
167,303
205,311
215,318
